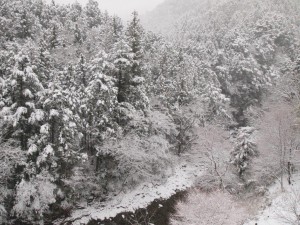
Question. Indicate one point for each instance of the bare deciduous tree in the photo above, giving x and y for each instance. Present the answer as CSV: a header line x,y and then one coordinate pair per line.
x,y
215,146
278,142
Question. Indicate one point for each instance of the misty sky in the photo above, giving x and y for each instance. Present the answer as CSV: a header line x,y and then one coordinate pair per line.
x,y
122,8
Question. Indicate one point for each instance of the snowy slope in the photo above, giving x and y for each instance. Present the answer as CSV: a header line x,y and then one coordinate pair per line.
x,y
183,177
283,206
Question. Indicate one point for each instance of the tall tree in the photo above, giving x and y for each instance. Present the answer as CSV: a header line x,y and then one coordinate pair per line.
x,y
25,25
134,35
123,61
53,39
93,14
78,38
117,28
21,91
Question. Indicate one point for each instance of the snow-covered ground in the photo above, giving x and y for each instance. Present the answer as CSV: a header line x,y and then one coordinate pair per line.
x,y
183,177
284,205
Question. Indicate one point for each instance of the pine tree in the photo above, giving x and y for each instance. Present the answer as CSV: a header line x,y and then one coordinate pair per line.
x,y
128,55
42,12
134,35
117,28
75,12
78,39
53,39
80,85
81,73
24,25
7,31
93,14
55,147
43,63
122,59
21,90
244,150
98,109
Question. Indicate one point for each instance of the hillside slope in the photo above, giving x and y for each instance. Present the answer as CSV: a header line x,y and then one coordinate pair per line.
x,y
164,18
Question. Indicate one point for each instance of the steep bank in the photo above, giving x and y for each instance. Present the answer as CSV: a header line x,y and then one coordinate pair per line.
x,y
141,197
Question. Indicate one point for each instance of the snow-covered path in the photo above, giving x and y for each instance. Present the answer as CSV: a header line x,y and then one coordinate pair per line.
x,y
183,177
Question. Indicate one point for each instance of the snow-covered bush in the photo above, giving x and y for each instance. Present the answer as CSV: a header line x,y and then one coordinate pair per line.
x,y
143,153
185,137
125,161
12,160
160,123
84,185
137,159
155,122
125,112
215,208
3,214
34,196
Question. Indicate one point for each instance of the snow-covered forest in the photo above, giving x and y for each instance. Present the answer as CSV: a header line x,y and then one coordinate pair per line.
x,y
187,115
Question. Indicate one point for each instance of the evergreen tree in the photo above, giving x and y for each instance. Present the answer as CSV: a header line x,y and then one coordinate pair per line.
x,y
75,12
122,59
134,35
244,150
98,109
78,38
42,12
43,63
24,25
6,23
93,14
127,56
21,91
82,78
56,145
117,28
53,39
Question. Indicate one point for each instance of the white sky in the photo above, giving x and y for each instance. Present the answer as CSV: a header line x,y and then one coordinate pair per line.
x,y
122,8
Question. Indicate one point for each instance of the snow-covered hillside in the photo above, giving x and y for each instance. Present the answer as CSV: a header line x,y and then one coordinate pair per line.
x,y
99,117
283,207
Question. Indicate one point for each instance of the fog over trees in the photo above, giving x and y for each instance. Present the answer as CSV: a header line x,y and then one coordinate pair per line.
x,y
100,117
